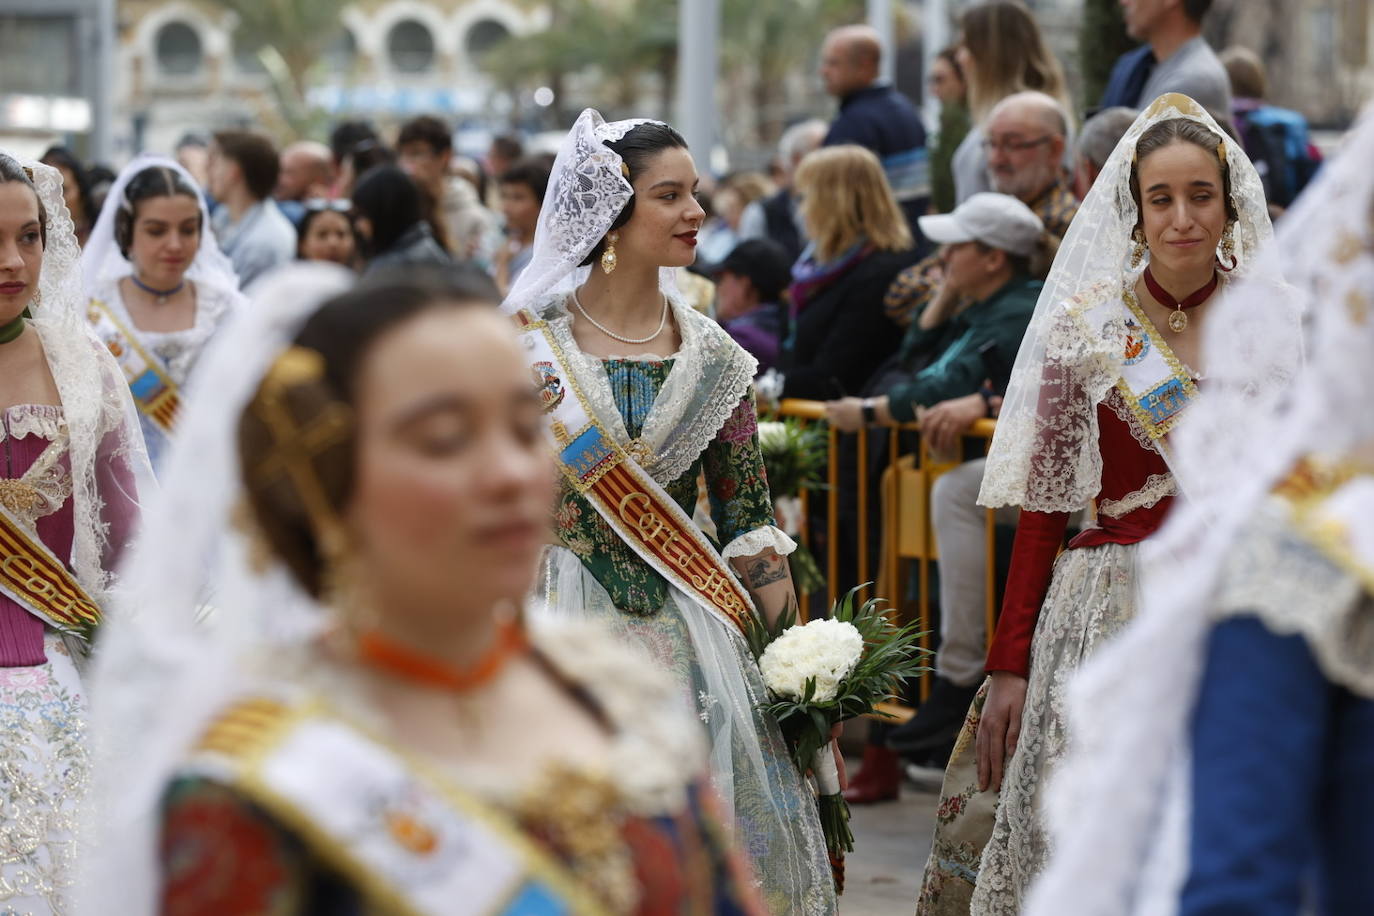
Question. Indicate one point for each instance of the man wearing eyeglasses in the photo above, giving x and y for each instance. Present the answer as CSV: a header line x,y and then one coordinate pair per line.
x,y
1026,134
1025,137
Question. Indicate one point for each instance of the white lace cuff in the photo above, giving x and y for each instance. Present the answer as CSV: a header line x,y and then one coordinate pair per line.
x,y
758,540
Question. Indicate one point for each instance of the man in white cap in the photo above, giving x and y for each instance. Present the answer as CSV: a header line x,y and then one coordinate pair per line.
x,y
971,330
960,346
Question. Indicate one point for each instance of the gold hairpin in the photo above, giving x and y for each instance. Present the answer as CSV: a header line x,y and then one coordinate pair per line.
x,y
28,171
295,445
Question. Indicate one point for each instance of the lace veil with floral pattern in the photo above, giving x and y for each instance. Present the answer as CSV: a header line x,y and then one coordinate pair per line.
x,y
107,461
1044,456
1119,808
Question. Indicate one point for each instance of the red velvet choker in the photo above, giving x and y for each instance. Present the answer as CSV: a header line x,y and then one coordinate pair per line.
x,y
1178,318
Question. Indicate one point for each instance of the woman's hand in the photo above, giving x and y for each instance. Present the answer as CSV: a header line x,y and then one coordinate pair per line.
x,y
846,414
999,728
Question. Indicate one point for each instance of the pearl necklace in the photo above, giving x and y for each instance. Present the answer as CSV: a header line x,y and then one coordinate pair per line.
x,y
662,323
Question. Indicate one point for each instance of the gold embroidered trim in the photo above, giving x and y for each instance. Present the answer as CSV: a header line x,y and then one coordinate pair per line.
x,y
1155,488
1156,431
247,734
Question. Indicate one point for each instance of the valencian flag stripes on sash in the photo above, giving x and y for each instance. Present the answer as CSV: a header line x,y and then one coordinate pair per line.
x,y
414,842
153,390
623,493
31,575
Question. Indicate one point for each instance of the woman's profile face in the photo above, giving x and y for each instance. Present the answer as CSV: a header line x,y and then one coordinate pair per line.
x,y
1182,207
964,57
329,237
166,237
21,248
946,83
454,485
662,230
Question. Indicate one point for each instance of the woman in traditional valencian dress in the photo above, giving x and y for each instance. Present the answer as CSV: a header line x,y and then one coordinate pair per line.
x,y
71,463
645,395
362,723
158,285
1108,368
1232,724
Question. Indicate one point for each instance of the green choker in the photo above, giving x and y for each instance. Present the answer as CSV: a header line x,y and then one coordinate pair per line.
x,y
12,330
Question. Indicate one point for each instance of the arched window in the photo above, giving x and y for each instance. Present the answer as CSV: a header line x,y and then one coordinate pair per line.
x,y
411,47
485,35
178,49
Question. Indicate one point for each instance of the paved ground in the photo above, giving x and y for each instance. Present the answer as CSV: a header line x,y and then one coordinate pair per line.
x,y
891,842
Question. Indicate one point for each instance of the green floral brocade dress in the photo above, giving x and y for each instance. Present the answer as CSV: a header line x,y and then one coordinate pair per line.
x,y
592,572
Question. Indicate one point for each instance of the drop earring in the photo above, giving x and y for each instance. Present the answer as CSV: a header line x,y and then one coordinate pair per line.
x,y
1138,250
1227,259
608,258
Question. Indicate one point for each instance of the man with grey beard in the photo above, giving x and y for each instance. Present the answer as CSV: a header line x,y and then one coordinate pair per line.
x,y
1026,135
1026,138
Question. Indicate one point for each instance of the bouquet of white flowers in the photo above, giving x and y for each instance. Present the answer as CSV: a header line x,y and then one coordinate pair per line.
x,y
824,672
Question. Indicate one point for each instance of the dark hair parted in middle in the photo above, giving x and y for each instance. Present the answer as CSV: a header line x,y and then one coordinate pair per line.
x,y
11,170
154,181
637,149
256,159
314,213
343,331
1180,130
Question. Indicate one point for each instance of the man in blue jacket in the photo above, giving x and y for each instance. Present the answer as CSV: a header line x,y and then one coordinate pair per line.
x,y
876,116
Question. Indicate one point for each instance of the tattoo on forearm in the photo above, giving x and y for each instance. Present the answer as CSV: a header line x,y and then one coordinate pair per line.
x,y
765,571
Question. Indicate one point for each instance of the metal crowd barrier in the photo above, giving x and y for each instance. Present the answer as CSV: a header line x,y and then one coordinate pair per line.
x,y
907,532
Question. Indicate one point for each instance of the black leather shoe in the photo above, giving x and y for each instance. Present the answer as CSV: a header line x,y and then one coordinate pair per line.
x,y
936,723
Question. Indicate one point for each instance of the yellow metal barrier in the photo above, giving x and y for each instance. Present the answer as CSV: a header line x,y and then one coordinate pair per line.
x,y
905,505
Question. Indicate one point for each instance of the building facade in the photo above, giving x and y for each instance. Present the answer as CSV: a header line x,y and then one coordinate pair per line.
x,y
184,68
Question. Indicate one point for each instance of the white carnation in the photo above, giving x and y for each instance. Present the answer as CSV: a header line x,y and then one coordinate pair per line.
x,y
826,650
772,435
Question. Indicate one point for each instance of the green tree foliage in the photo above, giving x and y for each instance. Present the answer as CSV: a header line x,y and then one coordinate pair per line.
x,y
1102,39
762,43
289,37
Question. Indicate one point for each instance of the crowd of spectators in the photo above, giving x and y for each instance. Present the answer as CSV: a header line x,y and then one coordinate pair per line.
x,y
887,271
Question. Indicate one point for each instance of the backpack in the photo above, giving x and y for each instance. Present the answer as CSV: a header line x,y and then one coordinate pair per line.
x,y
1276,141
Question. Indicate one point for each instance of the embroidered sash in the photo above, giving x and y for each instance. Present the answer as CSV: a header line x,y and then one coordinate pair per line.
x,y
156,395
33,576
1153,382
412,844
622,492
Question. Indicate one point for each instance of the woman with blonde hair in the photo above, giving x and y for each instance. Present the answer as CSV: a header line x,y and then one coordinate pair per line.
x,y
859,243
1001,52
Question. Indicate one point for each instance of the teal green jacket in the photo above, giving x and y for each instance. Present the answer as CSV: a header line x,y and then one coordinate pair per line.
x,y
953,360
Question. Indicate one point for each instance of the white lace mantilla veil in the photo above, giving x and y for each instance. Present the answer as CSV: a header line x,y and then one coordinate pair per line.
x,y
587,191
1119,808
108,463
192,606
102,261
1044,456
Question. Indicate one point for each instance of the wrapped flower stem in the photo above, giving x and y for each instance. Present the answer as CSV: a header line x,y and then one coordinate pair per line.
x,y
834,810
824,672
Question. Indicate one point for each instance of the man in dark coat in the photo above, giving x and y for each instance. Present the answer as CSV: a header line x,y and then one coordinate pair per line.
x,y
875,115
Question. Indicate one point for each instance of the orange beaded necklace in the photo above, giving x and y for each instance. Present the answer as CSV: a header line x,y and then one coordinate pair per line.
x,y
386,654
